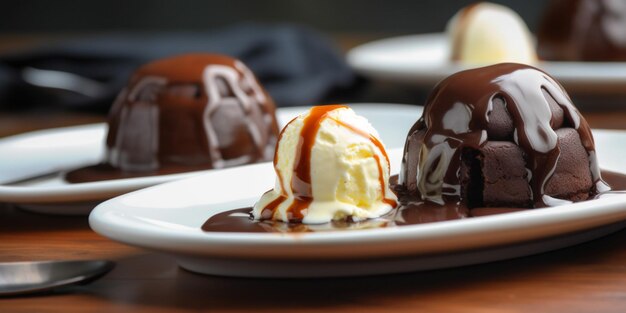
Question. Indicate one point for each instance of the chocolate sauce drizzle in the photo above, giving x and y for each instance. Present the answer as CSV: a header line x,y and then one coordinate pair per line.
x,y
189,112
457,115
301,179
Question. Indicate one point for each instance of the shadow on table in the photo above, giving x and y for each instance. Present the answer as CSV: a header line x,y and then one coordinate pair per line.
x,y
154,280
13,220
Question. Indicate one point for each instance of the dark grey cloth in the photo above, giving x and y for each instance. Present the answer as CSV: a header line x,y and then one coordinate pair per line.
x,y
296,65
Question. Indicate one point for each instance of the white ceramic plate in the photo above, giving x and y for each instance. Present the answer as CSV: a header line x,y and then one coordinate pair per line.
x,y
424,60
168,218
54,150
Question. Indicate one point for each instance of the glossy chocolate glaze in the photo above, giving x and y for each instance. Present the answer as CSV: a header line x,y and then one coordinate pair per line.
x,y
583,30
407,213
184,113
300,183
457,117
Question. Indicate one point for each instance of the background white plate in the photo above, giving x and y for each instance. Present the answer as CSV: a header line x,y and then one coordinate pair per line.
x,y
54,150
423,59
168,217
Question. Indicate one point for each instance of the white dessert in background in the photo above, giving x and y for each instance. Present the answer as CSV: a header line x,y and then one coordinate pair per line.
x,y
330,165
486,33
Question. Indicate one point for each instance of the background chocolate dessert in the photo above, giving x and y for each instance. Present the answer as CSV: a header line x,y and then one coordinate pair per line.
x,y
503,135
188,112
583,30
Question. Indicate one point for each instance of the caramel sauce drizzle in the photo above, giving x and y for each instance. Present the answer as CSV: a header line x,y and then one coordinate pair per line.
x,y
381,148
301,179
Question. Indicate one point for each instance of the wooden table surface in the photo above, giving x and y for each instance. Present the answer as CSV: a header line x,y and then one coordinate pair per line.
x,y
590,277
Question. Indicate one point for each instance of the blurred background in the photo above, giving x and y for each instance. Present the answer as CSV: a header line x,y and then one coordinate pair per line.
x,y
104,40
329,16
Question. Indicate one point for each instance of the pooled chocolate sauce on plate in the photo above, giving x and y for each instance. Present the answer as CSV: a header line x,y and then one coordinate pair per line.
x,y
409,213
186,113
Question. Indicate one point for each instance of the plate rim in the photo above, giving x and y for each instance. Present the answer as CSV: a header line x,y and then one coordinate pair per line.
x,y
105,219
436,72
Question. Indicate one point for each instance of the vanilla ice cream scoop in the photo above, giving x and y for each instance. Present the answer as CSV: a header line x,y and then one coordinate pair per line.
x,y
330,165
486,33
